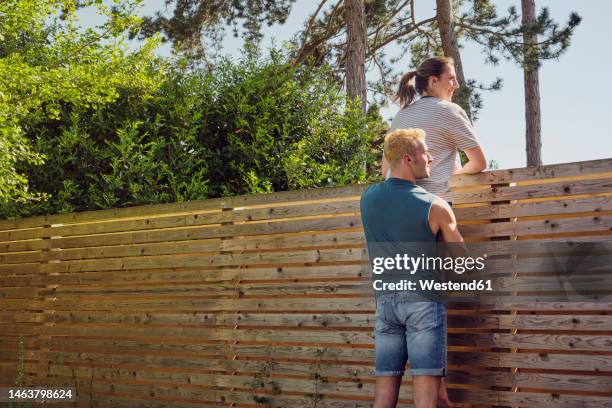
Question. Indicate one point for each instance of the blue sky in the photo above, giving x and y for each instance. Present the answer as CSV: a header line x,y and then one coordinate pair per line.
x,y
574,90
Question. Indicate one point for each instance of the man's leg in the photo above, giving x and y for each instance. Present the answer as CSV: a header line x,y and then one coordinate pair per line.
x,y
443,400
386,391
391,352
425,389
426,340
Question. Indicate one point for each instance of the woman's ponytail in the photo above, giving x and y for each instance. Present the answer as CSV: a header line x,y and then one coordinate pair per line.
x,y
415,82
406,92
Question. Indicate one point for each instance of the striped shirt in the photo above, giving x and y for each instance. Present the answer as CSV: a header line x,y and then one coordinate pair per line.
x,y
447,129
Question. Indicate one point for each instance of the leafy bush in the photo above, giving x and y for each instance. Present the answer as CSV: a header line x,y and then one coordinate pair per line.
x,y
249,126
48,63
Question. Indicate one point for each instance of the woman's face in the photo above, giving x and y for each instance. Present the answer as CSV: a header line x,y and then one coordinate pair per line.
x,y
445,85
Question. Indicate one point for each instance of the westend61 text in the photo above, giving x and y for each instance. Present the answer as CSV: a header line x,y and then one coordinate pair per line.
x,y
431,285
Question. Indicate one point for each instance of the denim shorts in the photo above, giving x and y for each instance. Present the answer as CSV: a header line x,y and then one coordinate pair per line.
x,y
407,330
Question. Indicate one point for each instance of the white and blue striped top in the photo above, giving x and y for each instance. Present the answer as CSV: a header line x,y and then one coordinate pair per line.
x,y
447,128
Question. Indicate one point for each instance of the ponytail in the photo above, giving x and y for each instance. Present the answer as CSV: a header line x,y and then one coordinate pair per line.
x,y
406,92
416,82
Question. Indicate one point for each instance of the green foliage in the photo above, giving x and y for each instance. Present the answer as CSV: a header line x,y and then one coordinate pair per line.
x,y
48,62
275,127
249,126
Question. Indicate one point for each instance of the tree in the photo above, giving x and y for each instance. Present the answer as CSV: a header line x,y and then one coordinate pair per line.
x,y
448,37
533,119
502,37
356,45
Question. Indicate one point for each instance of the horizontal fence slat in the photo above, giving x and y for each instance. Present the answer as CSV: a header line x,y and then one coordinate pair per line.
x,y
558,189
539,208
553,226
184,234
322,194
534,173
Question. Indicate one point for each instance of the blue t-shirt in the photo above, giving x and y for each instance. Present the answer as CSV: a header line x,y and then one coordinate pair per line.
x,y
395,218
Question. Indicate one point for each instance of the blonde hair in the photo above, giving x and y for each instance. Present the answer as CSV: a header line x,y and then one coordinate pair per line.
x,y
401,142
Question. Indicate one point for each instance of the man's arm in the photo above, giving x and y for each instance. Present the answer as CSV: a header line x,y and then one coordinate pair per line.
x,y
442,219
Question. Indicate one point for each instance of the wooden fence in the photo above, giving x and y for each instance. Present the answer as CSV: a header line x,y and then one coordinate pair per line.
x,y
256,300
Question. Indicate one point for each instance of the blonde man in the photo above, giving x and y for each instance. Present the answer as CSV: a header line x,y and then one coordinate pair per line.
x,y
399,211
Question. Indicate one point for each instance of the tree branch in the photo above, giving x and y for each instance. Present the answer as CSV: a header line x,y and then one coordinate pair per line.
x,y
300,57
414,23
310,24
400,34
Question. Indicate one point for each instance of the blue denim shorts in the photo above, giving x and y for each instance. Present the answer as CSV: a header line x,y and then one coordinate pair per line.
x,y
406,330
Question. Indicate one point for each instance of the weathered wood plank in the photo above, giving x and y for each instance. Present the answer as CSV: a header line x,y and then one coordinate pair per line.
x,y
553,226
22,246
312,304
196,260
541,208
22,234
21,268
533,341
207,218
340,354
186,275
266,242
574,342
284,197
456,319
340,388
18,293
205,232
534,173
217,290
558,189
358,372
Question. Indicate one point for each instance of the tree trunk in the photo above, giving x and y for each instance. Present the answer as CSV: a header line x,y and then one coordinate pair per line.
x,y
356,45
532,87
446,25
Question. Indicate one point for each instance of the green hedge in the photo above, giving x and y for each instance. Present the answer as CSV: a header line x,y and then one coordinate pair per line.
x,y
253,125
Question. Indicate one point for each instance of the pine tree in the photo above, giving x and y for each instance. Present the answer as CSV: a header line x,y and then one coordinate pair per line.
x,y
533,117
356,45
448,37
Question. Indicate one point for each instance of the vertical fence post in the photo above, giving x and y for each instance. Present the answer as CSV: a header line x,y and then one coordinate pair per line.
x,y
494,187
231,354
44,339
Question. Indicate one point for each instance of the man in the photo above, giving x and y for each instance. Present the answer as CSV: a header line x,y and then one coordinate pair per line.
x,y
399,211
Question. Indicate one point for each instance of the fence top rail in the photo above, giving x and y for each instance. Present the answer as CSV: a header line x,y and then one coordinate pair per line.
x,y
485,178
533,173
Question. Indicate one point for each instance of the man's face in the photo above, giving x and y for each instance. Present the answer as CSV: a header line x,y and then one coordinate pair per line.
x,y
419,163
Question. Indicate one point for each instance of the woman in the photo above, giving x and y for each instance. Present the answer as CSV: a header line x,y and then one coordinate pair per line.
x,y
446,124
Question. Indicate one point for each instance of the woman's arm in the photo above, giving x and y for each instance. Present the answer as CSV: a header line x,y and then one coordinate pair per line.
x,y
476,161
